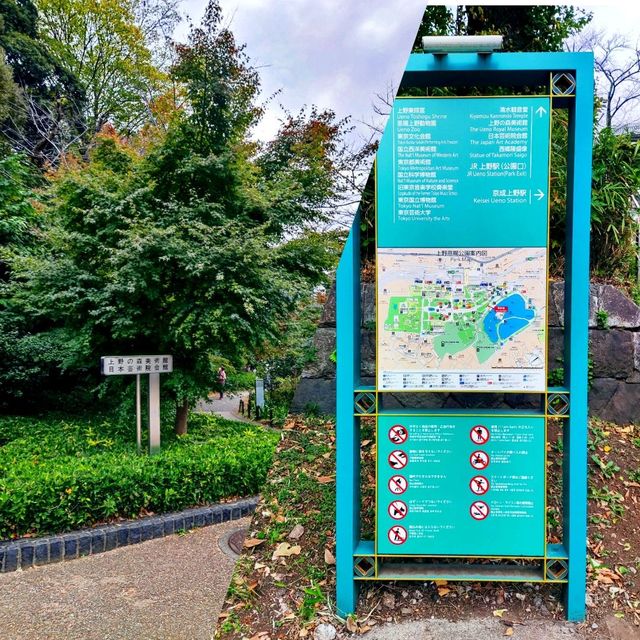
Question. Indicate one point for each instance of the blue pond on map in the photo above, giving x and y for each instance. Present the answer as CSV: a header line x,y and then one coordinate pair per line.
x,y
507,317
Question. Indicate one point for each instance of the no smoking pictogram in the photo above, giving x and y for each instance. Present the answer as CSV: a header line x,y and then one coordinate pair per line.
x,y
398,484
397,534
479,510
479,434
479,485
398,459
479,460
398,434
398,509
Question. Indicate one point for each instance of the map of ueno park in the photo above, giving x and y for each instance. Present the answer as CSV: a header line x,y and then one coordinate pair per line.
x,y
455,319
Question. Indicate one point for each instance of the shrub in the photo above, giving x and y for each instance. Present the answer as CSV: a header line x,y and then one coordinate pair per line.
x,y
56,476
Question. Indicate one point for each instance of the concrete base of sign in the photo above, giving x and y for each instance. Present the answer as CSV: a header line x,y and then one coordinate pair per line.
x,y
486,628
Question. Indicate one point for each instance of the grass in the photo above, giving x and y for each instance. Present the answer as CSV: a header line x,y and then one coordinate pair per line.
x,y
60,474
300,491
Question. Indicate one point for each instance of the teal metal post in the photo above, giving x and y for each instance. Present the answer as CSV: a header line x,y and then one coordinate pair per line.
x,y
577,337
508,69
347,426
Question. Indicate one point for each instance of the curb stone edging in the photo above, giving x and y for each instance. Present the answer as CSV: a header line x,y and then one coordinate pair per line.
x,y
35,552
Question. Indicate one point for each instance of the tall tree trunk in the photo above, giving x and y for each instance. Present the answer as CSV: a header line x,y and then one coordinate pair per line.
x,y
182,415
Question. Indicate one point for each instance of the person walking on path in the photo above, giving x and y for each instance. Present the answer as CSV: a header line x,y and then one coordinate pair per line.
x,y
222,380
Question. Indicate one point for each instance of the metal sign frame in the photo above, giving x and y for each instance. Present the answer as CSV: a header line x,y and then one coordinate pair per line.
x,y
570,79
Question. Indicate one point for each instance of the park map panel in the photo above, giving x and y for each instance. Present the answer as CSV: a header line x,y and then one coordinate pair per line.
x,y
461,319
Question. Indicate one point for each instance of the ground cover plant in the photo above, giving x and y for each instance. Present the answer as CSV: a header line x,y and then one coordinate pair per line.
x,y
284,582
58,474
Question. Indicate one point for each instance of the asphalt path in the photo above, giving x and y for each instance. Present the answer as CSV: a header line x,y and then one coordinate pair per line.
x,y
166,589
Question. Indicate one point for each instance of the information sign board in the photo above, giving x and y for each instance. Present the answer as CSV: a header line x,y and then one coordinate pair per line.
x,y
469,486
462,229
132,365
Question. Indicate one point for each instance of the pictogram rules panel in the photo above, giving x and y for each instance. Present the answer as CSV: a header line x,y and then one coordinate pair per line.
x,y
461,486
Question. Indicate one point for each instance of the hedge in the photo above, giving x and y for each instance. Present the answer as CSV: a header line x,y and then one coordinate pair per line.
x,y
56,476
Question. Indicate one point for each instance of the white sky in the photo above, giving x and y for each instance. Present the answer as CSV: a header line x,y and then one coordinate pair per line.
x,y
339,53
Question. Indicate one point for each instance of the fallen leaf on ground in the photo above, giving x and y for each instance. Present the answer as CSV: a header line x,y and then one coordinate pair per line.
x,y
442,591
325,479
296,532
249,543
498,613
329,557
508,631
284,550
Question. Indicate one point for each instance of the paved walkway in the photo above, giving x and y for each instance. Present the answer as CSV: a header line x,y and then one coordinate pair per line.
x,y
225,408
172,588
474,629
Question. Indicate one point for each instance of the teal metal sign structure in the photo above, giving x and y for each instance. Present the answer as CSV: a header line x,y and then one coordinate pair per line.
x,y
462,228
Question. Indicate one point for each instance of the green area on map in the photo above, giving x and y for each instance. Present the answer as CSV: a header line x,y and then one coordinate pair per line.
x,y
456,317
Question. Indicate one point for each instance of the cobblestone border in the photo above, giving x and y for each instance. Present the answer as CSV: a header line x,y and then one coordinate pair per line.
x,y
30,552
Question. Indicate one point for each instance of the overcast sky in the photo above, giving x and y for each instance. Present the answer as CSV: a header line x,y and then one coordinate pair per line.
x,y
339,53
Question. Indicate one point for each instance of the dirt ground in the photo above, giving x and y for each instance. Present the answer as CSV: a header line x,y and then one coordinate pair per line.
x,y
284,583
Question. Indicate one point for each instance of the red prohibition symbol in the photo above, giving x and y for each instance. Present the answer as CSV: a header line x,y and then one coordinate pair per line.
x,y
479,460
397,534
398,509
398,484
479,434
398,434
398,459
479,485
479,510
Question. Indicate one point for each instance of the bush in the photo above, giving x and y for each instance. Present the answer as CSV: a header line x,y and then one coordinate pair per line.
x,y
240,381
56,475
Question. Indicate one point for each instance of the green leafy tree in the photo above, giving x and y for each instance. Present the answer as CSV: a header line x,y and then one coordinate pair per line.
x,y
204,247
615,180
532,28
100,42
437,20
9,92
524,28
17,213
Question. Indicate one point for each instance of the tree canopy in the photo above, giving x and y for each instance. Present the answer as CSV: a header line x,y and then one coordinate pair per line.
x,y
524,28
47,113
200,243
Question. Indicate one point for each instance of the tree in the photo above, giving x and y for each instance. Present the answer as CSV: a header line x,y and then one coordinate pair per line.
x,y
437,20
533,28
203,247
524,28
9,92
45,117
617,67
101,44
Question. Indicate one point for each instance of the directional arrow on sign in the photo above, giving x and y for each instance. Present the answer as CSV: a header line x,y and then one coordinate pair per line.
x,y
539,194
541,111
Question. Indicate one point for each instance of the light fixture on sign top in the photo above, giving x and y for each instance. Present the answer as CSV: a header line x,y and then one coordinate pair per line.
x,y
442,45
